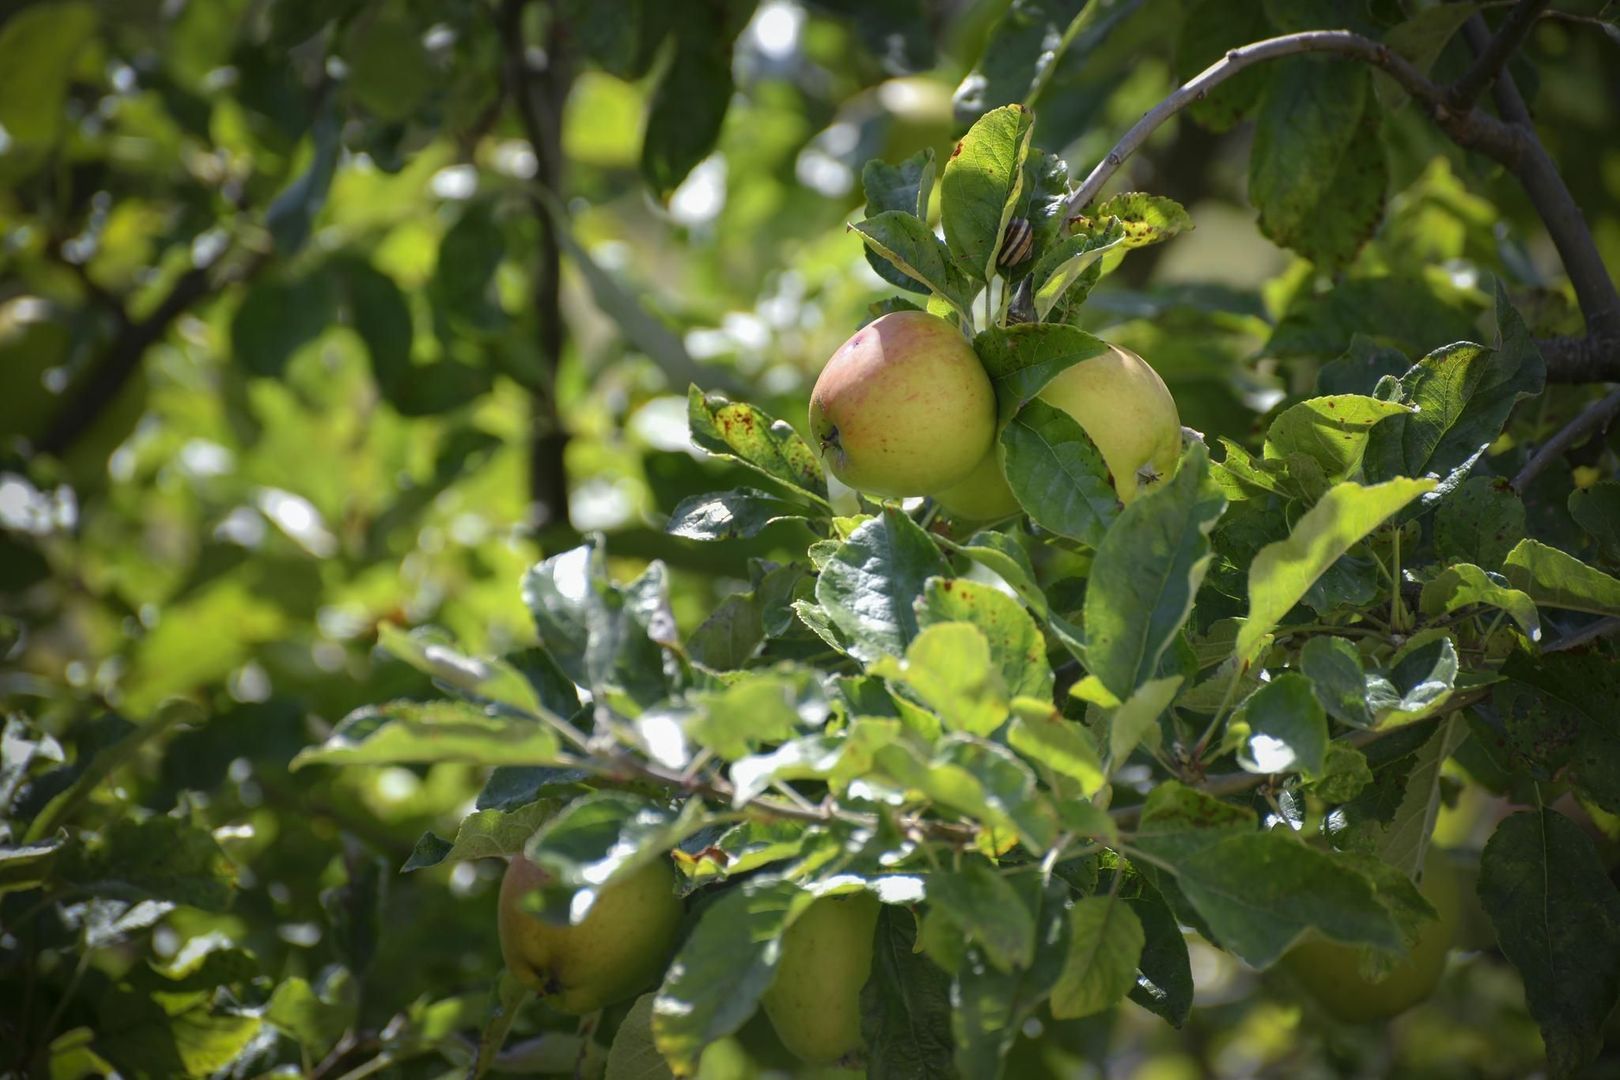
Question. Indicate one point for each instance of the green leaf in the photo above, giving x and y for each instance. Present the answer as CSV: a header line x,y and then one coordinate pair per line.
x,y
495,681
291,216
1405,840
1478,522
1164,983
1058,474
906,242
1597,510
484,834
1137,718
1344,774
1287,728
1147,570
276,318
870,585
1420,39
1105,944
980,186
748,435
160,858
757,708
315,1024
1061,745
1017,648
978,779
404,732
1421,680
905,1005
1317,173
1260,892
727,962
1557,919
1338,680
1284,571
1332,431
1359,368
1021,360
904,187
1558,714
990,1005
1462,585
598,839
1026,45
987,910
1555,579
1005,557
1463,393
1146,219
38,48
1207,29
1063,265
689,104
730,515
634,1055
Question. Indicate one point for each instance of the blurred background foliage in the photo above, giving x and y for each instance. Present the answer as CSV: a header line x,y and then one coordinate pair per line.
x,y
316,315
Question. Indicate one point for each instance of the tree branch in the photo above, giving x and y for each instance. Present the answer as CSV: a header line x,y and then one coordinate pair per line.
x,y
1581,359
539,96
1493,54
1339,42
99,388
1512,144
1595,417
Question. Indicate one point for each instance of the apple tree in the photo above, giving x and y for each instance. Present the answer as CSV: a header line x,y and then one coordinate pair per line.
x,y
1111,662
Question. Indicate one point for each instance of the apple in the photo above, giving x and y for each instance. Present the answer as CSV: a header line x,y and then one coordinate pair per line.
x,y
1331,971
1125,409
815,1001
982,496
620,947
903,407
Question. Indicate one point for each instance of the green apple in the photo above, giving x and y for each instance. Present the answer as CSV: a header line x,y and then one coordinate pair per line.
x,y
815,1002
1127,411
618,949
1331,971
982,496
903,407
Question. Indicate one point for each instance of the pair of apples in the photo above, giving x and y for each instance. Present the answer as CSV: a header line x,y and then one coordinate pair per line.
x,y
905,408
623,944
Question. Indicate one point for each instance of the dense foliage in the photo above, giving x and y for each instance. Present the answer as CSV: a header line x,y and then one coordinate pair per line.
x,y
405,465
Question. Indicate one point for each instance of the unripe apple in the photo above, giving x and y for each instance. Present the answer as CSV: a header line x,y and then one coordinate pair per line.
x,y
1331,971
982,496
815,1002
1127,411
903,407
619,948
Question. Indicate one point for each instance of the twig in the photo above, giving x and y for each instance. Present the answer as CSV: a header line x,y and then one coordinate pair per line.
x,y
1595,417
539,98
99,388
1341,42
1513,144
1495,53
1601,628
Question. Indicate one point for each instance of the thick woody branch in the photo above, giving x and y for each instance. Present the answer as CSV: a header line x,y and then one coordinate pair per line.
x,y
1494,54
1581,359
